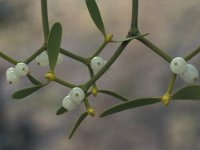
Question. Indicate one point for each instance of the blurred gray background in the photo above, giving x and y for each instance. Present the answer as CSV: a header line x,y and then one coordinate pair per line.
x,y
31,123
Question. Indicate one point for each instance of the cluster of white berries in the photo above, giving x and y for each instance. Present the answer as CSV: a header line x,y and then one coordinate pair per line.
x,y
73,99
13,74
43,59
97,63
188,72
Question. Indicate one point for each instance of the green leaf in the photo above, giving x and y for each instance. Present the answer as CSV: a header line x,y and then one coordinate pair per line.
x,y
33,80
130,38
53,45
26,92
129,105
95,15
77,124
189,92
61,111
111,93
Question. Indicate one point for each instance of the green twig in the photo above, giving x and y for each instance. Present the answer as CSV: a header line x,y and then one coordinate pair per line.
x,y
34,55
134,22
91,73
86,102
171,84
99,50
45,21
167,96
7,58
74,56
64,83
192,54
155,49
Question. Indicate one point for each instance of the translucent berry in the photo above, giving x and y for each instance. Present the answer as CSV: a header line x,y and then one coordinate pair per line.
x,y
42,59
21,69
97,63
11,76
9,70
77,95
68,104
178,65
190,74
60,58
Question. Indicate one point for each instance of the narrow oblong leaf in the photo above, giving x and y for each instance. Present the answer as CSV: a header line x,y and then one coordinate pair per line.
x,y
189,92
53,44
61,111
130,38
26,92
111,93
130,104
33,80
95,15
77,124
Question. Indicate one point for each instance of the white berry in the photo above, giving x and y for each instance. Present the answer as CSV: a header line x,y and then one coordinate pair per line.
x,y
21,69
190,74
9,70
11,76
97,63
77,95
68,104
60,58
178,65
42,59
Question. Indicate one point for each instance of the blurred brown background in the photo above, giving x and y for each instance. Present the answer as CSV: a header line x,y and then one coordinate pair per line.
x,y
31,124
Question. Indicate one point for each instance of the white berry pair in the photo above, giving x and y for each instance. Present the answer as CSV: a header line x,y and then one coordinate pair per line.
x,y
73,99
13,74
43,59
97,63
188,72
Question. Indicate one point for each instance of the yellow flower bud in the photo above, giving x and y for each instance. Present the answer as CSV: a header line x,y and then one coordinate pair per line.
x,y
165,99
94,91
108,38
49,76
91,112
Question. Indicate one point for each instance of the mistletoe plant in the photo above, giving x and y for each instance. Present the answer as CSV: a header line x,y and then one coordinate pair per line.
x,y
51,53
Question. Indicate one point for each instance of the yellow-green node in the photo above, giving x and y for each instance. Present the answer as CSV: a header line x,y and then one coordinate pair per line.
x,y
49,76
91,112
108,38
94,91
165,99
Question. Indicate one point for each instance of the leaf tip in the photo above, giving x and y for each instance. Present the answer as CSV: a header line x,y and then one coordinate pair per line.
x,y
103,114
14,96
61,111
57,24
